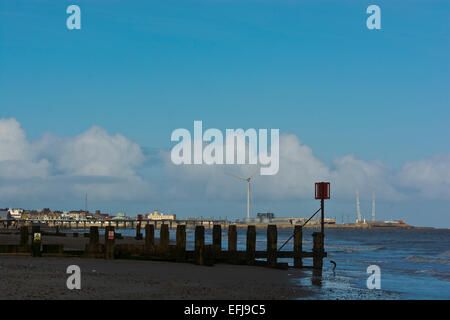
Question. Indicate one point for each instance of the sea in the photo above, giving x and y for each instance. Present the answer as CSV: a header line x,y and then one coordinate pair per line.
x,y
413,263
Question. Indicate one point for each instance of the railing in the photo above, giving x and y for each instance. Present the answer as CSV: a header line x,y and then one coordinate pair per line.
x,y
125,223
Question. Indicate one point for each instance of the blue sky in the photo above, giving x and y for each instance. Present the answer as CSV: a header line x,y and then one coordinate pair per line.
x,y
309,68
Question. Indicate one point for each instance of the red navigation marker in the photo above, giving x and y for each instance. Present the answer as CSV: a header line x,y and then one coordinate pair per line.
x,y
322,193
322,190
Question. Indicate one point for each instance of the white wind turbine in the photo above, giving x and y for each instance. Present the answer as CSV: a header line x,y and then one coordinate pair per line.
x,y
248,189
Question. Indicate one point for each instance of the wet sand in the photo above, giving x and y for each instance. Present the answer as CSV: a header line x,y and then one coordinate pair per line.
x,y
23,277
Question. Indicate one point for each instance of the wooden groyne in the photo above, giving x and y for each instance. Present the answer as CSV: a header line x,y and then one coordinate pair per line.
x,y
176,251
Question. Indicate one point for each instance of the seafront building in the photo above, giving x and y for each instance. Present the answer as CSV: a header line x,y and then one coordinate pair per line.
x,y
47,214
120,216
16,213
160,216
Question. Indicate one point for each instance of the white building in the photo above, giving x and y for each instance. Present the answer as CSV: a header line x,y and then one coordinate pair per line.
x,y
159,216
16,213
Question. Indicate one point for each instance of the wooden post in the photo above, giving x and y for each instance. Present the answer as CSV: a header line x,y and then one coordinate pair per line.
x,y
138,231
36,240
109,242
199,244
149,236
232,243
92,248
232,238
272,245
93,235
251,245
23,235
181,242
322,216
298,246
217,240
164,239
318,251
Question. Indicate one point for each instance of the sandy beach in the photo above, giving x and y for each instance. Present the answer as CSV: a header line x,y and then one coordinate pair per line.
x,y
24,277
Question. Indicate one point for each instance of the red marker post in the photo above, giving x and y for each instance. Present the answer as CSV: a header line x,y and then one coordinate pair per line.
x,y
322,193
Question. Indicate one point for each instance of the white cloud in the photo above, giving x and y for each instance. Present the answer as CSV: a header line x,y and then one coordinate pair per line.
x,y
17,160
429,178
351,174
96,153
300,169
13,141
70,166
106,166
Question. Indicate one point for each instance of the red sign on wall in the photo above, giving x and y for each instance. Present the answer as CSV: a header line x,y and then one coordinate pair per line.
x,y
110,235
322,190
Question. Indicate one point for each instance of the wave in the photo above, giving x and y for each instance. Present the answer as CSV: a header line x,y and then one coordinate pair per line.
x,y
445,254
353,249
441,275
427,259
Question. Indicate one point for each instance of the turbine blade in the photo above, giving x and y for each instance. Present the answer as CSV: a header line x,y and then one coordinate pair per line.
x,y
254,173
233,175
